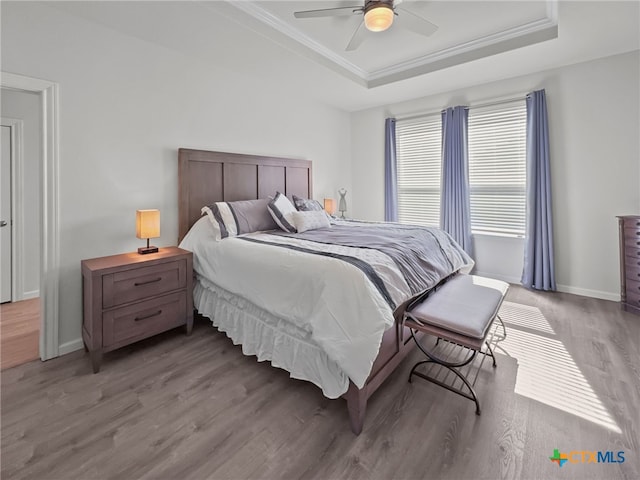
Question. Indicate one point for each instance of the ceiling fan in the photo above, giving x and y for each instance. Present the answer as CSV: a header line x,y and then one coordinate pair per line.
x,y
378,16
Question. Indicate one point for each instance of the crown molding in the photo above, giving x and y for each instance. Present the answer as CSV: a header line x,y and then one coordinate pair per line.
x,y
523,35
516,37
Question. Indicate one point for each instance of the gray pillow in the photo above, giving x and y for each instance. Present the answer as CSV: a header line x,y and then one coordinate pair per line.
x,y
306,204
242,216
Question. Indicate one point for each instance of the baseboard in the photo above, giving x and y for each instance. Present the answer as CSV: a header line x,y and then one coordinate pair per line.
x,y
71,346
30,295
585,292
504,278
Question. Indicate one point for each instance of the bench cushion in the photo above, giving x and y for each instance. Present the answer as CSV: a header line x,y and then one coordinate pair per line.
x,y
466,304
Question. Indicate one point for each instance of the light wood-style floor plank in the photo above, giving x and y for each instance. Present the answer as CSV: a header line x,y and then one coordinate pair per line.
x,y
195,407
19,332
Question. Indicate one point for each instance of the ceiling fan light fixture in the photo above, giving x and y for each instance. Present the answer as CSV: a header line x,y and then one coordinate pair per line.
x,y
379,18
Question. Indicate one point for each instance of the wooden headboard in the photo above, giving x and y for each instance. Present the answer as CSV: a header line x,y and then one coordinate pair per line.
x,y
206,177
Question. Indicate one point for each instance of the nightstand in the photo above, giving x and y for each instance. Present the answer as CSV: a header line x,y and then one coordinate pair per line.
x,y
129,297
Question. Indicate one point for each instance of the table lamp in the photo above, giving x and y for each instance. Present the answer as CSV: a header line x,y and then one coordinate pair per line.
x,y
147,226
330,206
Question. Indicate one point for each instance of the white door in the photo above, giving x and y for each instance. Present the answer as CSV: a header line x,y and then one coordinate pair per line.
x,y
5,216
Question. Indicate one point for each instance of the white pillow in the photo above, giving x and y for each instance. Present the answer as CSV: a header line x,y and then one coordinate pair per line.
x,y
281,209
310,220
214,222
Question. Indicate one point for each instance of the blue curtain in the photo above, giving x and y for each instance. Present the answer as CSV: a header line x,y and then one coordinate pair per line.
x,y
390,172
538,271
455,211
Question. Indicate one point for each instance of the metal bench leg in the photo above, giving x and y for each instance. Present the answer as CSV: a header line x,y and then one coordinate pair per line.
x,y
493,357
473,396
432,358
504,329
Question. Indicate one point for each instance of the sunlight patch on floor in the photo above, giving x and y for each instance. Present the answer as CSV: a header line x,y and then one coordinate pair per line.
x,y
546,370
525,316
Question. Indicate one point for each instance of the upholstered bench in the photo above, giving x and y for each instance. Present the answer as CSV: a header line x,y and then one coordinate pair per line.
x,y
461,311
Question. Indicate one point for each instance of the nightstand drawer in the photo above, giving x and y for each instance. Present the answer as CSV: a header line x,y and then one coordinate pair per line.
x,y
135,322
140,283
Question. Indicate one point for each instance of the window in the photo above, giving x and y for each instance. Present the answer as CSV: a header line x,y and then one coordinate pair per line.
x,y
418,157
497,168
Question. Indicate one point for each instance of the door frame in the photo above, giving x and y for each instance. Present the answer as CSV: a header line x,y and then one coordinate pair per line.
x,y
50,184
16,127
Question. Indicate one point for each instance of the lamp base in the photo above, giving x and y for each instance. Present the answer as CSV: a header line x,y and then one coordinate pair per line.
x,y
145,250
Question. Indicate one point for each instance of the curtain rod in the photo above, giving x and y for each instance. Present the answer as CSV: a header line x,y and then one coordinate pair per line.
x,y
481,105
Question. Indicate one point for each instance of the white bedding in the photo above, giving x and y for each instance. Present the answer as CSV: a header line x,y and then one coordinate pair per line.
x,y
333,301
329,308
269,338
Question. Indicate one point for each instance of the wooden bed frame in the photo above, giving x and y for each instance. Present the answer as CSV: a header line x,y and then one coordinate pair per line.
x,y
206,177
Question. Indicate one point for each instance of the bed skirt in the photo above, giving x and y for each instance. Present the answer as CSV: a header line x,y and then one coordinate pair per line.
x,y
268,337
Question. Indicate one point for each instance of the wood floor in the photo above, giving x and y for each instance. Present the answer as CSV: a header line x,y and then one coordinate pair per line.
x,y
176,407
19,332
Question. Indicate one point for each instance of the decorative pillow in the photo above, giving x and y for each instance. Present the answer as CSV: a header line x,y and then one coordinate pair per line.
x,y
307,204
243,216
313,220
281,210
214,222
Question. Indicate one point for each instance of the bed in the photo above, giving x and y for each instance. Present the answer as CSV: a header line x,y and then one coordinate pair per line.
x,y
344,333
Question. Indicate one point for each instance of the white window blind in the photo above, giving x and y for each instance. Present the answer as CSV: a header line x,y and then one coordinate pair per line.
x,y
497,168
418,154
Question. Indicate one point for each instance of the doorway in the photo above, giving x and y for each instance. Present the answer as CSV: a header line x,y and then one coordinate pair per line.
x,y
20,166
49,238
6,222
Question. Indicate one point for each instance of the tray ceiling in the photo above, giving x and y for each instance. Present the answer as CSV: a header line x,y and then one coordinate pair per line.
x,y
467,30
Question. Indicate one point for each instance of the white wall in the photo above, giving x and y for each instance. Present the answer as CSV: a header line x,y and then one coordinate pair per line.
x,y
126,106
26,106
594,123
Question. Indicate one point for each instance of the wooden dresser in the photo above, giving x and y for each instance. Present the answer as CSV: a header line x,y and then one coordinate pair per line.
x,y
629,227
129,297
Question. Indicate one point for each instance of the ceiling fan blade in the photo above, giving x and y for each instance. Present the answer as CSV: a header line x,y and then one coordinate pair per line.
x,y
358,37
329,12
415,23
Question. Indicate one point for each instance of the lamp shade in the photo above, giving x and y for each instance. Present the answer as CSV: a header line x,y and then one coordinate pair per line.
x,y
330,206
379,18
147,223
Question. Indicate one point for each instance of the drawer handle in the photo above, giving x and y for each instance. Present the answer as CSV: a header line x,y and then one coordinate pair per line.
x,y
138,284
144,317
